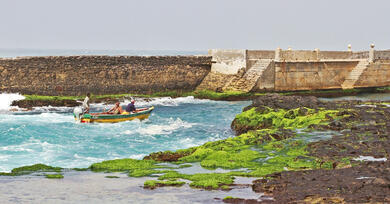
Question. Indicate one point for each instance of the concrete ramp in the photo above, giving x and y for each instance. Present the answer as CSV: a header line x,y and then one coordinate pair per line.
x,y
249,80
355,74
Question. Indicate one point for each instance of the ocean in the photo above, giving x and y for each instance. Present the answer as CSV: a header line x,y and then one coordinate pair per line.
x,y
51,135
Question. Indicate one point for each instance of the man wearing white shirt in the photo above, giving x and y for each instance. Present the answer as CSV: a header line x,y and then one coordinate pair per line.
x,y
86,103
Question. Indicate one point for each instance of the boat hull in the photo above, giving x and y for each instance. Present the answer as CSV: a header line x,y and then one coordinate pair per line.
x,y
115,118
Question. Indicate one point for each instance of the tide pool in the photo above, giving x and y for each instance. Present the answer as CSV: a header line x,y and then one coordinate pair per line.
x,y
51,136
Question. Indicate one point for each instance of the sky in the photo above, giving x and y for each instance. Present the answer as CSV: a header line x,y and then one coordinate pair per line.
x,y
194,25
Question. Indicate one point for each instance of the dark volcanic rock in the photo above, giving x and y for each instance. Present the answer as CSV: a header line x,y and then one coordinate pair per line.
x,y
167,156
240,201
276,101
365,183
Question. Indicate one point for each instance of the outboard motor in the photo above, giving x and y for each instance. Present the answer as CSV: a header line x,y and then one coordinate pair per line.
x,y
77,112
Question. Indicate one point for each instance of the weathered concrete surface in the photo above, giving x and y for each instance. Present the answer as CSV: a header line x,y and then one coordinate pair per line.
x,y
291,76
266,81
228,61
249,79
376,74
76,75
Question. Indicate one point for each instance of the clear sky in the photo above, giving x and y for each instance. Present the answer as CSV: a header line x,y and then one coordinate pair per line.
x,y
194,25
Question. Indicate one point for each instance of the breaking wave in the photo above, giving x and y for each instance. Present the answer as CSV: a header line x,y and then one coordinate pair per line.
x,y
165,128
6,100
168,101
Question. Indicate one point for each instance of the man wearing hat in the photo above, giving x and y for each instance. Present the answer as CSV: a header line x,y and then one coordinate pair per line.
x,y
130,108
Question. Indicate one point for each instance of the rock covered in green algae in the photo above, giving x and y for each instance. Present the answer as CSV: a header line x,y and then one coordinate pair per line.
x,y
291,119
24,170
136,168
152,184
54,176
169,156
206,181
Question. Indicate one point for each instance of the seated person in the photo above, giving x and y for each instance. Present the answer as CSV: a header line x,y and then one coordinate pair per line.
x,y
131,108
117,109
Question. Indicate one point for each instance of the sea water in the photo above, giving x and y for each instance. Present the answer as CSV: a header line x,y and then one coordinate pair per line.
x,y
51,135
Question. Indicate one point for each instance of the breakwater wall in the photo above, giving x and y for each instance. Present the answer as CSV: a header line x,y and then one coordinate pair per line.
x,y
221,70
77,75
292,70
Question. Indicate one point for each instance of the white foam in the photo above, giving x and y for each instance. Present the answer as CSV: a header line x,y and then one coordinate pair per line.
x,y
162,101
4,157
43,118
138,156
89,159
365,177
7,98
369,158
167,101
6,101
164,129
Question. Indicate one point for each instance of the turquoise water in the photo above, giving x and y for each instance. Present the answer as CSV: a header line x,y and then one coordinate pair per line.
x,y
51,136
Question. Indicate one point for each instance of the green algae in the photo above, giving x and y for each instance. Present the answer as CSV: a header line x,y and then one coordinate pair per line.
x,y
54,176
81,169
184,166
145,172
112,177
289,119
24,170
230,160
207,180
228,198
136,168
152,184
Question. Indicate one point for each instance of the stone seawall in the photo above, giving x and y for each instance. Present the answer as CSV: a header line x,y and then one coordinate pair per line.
x,y
223,70
76,75
294,70
291,76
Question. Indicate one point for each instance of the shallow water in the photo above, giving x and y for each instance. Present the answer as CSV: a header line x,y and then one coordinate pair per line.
x,y
52,137
87,187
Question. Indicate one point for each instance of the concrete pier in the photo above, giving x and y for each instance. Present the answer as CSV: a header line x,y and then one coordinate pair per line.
x,y
292,70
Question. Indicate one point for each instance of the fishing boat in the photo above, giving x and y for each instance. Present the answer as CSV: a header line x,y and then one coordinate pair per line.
x,y
105,117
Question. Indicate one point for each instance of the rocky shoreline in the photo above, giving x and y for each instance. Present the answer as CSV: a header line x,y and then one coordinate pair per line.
x,y
72,101
364,135
279,140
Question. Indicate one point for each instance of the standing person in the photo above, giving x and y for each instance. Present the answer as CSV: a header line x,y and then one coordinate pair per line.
x,y
130,107
86,103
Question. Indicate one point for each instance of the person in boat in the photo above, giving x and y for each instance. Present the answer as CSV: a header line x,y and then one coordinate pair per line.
x,y
130,107
117,109
86,103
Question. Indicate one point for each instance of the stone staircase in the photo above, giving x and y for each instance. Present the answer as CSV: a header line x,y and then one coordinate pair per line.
x,y
248,81
355,74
